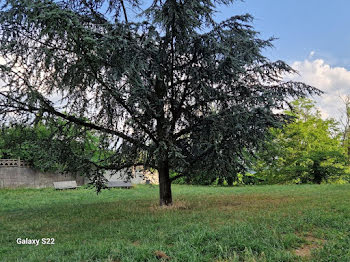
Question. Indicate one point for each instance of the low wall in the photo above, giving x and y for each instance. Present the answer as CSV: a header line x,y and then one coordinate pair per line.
x,y
16,173
22,176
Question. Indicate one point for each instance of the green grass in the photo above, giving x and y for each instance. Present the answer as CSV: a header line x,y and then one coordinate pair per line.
x,y
258,223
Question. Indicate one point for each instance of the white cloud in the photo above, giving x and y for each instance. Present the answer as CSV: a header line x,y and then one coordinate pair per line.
x,y
334,81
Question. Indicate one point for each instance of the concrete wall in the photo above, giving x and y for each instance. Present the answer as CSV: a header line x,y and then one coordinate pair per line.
x,y
27,177
15,173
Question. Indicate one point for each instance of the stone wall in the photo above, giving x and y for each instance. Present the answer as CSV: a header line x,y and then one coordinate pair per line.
x,y
22,176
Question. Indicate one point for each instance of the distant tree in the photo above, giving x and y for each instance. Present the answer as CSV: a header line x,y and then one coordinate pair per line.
x,y
307,150
170,89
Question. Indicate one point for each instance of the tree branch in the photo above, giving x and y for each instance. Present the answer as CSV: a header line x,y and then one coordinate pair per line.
x,y
124,11
50,109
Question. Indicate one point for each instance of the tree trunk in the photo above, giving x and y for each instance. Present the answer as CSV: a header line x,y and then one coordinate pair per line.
x,y
220,181
317,174
165,198
230,181
317,178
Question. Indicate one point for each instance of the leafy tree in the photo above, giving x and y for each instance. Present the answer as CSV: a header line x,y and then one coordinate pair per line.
x,y
170,89
306,150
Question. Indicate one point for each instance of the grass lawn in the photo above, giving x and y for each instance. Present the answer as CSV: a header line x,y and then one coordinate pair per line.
x,y
255,223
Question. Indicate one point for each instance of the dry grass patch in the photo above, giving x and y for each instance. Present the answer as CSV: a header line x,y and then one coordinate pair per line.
x,y
248,202
177,205
162,256
311,244
136,243
230,202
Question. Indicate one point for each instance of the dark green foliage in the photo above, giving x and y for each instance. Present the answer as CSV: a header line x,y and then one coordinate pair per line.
x,y
307,150
174,91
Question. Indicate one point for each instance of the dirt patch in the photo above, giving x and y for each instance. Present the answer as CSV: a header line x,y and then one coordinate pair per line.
x,y
177,205
136,243
161,256
312,243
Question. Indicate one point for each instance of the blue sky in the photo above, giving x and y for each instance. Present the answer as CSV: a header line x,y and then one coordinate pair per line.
x,y
313,37
302,26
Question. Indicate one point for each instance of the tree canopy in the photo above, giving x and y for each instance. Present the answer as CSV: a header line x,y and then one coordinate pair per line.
x,y
169,89
307,150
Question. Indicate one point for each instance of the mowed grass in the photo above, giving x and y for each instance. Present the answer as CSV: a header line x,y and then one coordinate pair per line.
x,y
255,223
